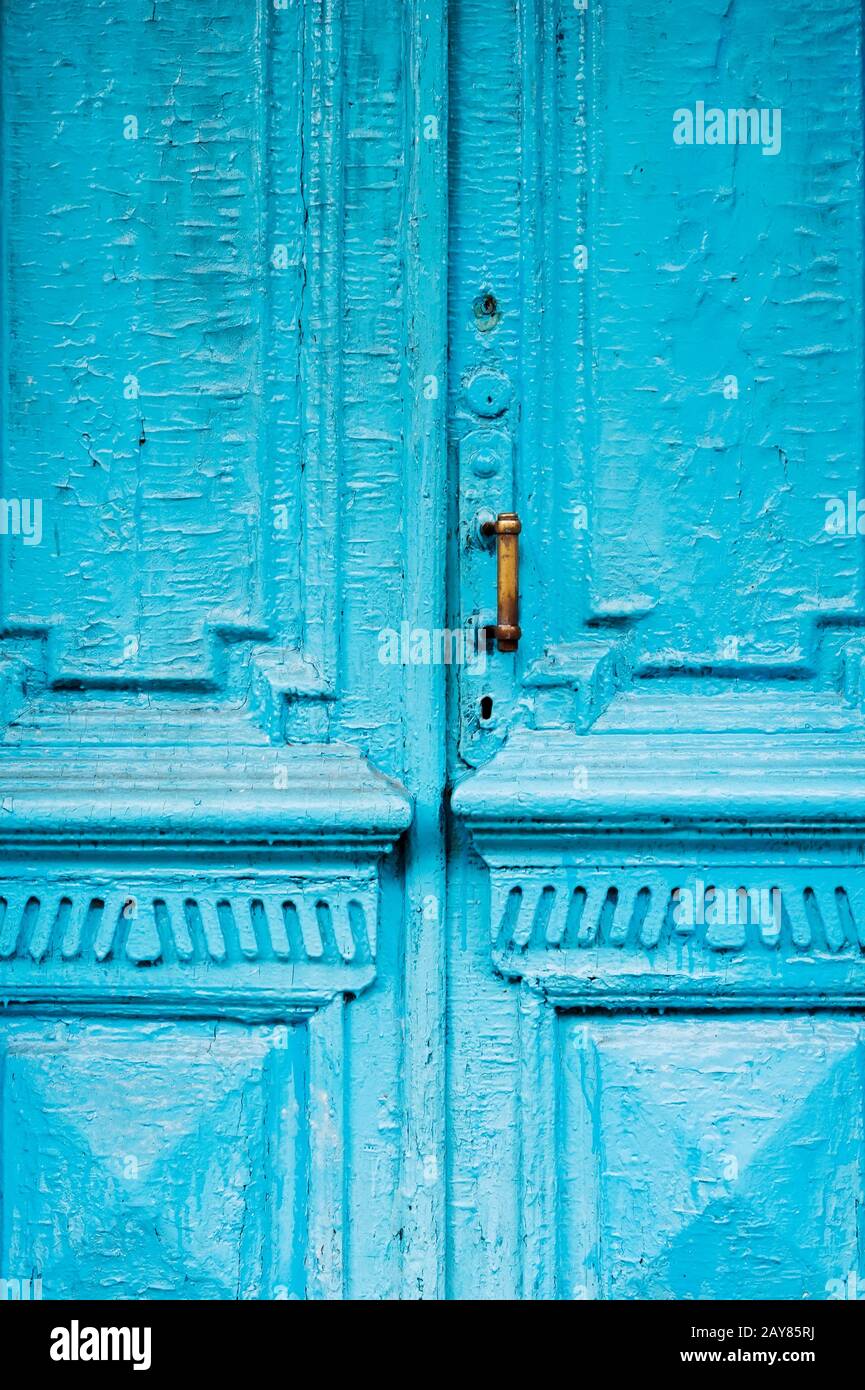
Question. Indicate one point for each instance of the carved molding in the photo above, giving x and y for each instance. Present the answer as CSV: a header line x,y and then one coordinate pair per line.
x,y
664,935
188,875
187,942
676,871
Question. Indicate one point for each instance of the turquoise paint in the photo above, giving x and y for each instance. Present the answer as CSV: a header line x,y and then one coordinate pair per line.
x,y
325,976
669,398
206,767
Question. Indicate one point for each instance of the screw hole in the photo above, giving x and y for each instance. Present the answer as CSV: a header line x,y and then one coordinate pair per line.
x,y
486,707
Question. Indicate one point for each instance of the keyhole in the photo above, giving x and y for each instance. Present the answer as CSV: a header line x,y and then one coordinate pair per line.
x,y
486,707
487,312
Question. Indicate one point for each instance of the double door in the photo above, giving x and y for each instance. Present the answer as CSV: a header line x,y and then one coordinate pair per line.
x,y
348,947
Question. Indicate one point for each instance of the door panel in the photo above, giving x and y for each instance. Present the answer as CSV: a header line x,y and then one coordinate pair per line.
x,y
723,307
156,1160
656,340
677,338
709,1158
223,367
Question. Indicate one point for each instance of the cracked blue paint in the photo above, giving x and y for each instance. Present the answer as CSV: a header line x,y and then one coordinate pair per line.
x,y
323,976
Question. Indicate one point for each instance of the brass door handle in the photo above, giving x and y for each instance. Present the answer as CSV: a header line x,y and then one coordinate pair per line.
x,y
506,528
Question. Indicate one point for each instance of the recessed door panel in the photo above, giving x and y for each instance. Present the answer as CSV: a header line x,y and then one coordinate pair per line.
x,y
161,1160
710,1158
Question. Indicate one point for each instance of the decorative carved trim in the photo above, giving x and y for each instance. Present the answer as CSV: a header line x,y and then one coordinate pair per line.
x,y
135,926
186,877
677,870
187,942
667,935
667,785
169,773
791,911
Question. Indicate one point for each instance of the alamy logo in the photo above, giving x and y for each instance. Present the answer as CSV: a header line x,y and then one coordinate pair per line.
x,y
22,516
735,126
852,1288
20,1290
699,905
420,646
845,517
77,1343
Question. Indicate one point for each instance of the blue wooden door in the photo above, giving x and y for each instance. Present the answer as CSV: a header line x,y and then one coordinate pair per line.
x,y
217,410
658,913
342,954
